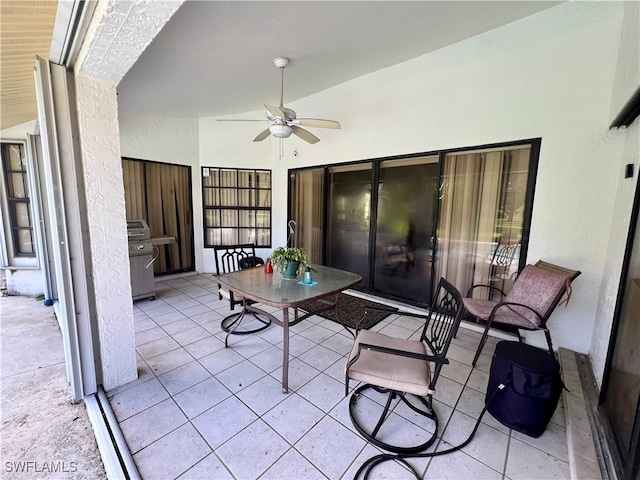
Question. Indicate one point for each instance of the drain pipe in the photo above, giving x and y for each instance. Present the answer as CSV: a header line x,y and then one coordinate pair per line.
x,y
117,460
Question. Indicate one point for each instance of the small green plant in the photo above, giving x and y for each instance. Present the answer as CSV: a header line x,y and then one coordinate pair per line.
x,y
283,255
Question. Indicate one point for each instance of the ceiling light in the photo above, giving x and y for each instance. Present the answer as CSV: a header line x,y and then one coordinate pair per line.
x,y
281,131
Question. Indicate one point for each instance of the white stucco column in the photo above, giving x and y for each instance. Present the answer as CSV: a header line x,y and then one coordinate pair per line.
x,y
97,110
119,32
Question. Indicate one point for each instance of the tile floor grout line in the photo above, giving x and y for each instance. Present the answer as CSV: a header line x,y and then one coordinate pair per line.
x,y
326,371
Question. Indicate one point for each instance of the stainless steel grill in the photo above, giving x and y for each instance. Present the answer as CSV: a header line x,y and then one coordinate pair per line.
x,y
141,258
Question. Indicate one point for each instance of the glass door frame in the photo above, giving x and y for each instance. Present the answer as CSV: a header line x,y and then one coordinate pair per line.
x,y
188,217
626,468
534,157
533,143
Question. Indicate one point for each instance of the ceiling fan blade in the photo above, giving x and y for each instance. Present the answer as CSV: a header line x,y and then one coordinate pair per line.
x,y
316,122
239,120
275,111
305,135
262,135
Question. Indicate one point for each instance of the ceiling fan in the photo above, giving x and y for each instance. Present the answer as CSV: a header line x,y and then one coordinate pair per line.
x,y
283,121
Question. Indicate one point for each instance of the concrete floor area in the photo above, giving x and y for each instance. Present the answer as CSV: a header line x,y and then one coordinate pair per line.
x,y
44,434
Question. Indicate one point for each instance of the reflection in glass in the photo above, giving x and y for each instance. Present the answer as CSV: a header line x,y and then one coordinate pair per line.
x,y
18,186
17,160
25,241
482,202
264,198
407,195
307,210
349,217
622,396
23,219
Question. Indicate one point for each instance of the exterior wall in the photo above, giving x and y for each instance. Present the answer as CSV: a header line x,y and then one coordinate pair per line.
x,y
168,140
550,75
19,132
615,250
627,79
27,282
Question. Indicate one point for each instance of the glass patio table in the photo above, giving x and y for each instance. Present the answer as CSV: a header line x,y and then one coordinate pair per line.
x,y
274,290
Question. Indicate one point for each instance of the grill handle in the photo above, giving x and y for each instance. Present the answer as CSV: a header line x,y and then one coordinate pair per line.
x,y
157,253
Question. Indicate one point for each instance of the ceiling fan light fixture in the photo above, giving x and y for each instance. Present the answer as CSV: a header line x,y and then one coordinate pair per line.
x,y
281,131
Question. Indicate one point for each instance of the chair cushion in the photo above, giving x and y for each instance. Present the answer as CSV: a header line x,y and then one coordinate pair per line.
x,y
395,372
536,288
227,295
482,309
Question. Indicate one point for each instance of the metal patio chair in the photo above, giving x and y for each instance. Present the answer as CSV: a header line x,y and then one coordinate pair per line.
x,y
402,369
230,258
532,299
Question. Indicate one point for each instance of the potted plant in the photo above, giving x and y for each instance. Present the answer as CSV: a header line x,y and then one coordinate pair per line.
x,y
289,260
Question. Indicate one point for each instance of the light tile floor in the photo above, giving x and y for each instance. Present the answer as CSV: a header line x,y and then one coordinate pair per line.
x,y
199,410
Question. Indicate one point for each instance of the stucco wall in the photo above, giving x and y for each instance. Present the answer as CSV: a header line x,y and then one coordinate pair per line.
x,y
97,121
168,140
550,75
627,79
23,282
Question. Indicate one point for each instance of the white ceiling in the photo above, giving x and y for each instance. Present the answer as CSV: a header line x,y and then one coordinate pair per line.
x,y
215,58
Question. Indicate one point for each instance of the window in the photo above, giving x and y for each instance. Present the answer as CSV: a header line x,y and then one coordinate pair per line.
x,y
237,206
18,206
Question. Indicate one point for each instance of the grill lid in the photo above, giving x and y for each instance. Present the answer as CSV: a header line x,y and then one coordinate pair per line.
x,y
138,229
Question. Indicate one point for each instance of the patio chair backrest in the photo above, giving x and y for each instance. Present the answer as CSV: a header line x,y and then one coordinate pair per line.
x,y
540,289
230,258
442,322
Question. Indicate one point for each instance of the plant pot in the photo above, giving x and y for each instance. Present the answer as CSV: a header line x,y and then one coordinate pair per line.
x,y
290,270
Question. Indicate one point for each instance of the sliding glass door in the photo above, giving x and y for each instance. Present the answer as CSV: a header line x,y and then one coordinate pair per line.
x,y
308,210
349,216
620,396
405,227
482,210
404,222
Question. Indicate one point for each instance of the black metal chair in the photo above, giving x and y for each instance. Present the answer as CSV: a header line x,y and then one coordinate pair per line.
x,y
401,369
230,258
532,299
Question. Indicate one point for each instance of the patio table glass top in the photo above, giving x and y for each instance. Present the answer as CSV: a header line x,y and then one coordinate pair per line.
x,y
274,290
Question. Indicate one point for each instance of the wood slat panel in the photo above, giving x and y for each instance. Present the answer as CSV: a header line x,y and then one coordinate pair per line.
x,y
26,28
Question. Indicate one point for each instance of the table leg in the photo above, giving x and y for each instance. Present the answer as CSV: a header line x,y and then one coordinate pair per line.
x,y
285,351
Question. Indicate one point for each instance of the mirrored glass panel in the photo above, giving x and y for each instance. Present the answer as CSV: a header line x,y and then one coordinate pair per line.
x,y
349,219
407,196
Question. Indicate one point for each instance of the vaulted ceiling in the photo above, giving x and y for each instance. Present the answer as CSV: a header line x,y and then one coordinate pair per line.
x,y
215,58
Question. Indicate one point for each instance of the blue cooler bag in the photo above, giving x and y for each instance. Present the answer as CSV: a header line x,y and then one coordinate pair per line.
x,y
532,387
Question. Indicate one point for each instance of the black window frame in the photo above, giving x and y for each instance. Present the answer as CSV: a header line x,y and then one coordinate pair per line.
x,y
13,201
218,208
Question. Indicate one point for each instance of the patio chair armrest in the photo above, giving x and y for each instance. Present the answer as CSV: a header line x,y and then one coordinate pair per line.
x,y
402,353
490,287
514,304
